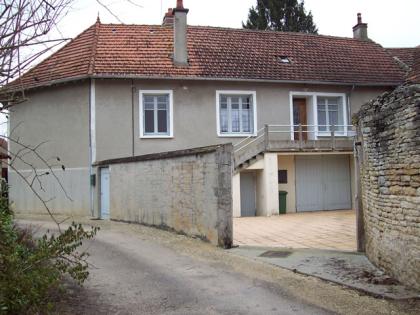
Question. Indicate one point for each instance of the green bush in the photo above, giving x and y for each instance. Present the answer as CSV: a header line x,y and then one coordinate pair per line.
x,y
32,268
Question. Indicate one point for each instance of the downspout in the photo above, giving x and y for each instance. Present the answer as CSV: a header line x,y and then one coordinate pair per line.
x,y
349,119
92,144
132,116
92,120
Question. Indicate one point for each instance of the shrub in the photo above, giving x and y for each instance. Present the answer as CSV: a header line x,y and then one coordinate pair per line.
x,y
31,268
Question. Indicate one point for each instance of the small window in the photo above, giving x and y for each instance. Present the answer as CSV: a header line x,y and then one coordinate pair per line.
x,y
236,114
155,114
282,175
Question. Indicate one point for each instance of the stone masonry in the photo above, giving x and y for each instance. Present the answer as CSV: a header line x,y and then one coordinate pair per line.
x,y
188,191
389,130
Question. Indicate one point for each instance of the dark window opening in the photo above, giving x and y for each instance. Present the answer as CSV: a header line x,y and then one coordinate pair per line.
x,y
282,176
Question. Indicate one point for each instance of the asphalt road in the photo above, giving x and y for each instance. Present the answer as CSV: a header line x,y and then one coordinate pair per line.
x,y
139,270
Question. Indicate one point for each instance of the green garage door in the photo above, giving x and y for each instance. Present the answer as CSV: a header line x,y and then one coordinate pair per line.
x,y
323,182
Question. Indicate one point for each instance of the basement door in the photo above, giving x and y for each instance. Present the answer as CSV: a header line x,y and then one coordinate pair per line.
x,y
104,188
248,194
323,182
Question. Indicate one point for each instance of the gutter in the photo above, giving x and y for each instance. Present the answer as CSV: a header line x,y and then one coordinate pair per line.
x,y
189,78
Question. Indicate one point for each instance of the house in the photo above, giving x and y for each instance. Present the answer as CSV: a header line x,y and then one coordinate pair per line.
x,y
285,100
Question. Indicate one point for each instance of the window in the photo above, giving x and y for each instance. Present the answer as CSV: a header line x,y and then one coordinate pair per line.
x,y
330,112
156,114
236,113
282,176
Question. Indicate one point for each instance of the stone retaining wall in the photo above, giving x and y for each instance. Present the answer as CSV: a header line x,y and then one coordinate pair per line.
x,y
188,191
389,130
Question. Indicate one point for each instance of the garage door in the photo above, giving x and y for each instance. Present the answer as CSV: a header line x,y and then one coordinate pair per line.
x,y
323,182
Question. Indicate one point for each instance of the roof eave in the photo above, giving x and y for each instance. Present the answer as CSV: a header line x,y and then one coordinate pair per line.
x,y
197,78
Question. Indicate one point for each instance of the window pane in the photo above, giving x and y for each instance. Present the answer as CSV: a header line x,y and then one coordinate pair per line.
x,y
322,119
246,120
163,102
148,101
149,121
148,98
332,107
223,120
246,102
235,119
162,98
321,101
332,100
235,102
333,116
162,121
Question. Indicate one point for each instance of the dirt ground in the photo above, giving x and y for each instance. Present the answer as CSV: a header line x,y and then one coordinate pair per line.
x,y
142,270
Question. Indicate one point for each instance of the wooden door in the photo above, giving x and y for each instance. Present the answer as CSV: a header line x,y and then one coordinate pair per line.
x,y
299,117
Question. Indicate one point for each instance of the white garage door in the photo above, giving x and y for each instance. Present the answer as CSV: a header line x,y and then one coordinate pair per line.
x,y
323,182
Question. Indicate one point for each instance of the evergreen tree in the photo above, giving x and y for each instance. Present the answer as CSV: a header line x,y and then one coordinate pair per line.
x,y
280,15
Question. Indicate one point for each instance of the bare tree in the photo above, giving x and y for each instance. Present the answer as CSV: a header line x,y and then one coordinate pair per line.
x,y
24,26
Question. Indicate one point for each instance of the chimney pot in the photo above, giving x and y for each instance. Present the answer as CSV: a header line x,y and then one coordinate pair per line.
x,y
179,4
359,18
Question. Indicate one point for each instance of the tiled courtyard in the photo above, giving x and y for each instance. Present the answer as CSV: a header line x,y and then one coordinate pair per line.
x,y
335,230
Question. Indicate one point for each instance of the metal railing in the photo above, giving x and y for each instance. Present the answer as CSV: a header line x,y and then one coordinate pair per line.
x,y
293,138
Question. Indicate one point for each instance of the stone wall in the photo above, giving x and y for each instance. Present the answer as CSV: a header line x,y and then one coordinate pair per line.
x,y
389,130
188,191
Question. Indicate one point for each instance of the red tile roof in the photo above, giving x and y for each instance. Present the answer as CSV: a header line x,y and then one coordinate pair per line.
x,y
405,55
145,51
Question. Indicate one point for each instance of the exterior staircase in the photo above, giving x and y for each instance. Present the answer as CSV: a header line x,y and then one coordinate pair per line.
x,y
277,138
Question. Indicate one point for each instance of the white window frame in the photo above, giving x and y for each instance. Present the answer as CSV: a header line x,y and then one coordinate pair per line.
x,y
141,115
314,96
254,110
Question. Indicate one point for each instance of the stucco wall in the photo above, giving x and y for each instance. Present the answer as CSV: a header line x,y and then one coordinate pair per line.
x,y
190,193
389,128
58,116
117,111
287,162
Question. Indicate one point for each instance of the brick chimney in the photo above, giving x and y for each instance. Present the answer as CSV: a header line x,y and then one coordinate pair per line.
x,y
180,34
169,18
360,29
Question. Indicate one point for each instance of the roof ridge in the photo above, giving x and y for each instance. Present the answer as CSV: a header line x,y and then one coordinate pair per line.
x,y
248,31
94,48
411,48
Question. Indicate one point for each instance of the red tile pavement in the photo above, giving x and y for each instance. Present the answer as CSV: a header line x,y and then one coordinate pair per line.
x,y
335,230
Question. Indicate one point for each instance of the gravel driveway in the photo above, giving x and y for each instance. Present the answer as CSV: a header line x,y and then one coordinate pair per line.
x,y
141,270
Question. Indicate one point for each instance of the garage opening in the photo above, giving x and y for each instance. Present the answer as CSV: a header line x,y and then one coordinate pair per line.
x,y
317,202
323,182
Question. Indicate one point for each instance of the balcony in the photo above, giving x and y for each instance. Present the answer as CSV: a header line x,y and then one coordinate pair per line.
x,y
296,138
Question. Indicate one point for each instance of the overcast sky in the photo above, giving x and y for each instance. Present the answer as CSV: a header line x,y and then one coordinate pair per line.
x,y
391,23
